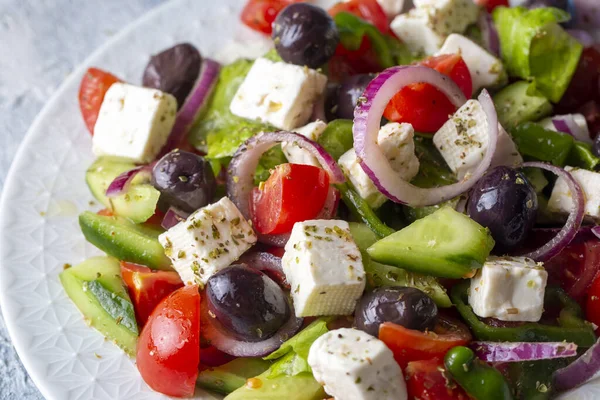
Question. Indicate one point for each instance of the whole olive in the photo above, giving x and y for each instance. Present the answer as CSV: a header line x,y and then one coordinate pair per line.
x,y
332,91
504,201
305,34
174,71
350,91
401,305
185,180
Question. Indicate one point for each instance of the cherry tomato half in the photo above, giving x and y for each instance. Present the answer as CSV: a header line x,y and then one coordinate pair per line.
x,y
424,106
94,85
293,193
426,380
168,351
369,10
260,14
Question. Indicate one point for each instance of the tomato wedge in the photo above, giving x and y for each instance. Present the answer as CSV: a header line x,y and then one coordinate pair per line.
x,y
293,193
147,288
260,14
412,345
168,352
425,380
94,85
424,106
369,10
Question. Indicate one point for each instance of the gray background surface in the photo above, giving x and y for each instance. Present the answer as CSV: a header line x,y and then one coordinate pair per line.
x,y
41,42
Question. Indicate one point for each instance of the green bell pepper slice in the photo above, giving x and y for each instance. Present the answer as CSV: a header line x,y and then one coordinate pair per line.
x,y
359,207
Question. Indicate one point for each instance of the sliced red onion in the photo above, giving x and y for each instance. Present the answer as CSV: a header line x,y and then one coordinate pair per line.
x,y
209,72
172,217
121,182
493,352
214,332
266,263
566,124
596,231
240,175
367,118
569,231
579,371
489,33
583,37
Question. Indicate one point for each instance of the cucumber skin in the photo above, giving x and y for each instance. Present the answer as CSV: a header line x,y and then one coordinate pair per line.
x,y
73,280
124,240
515,105
231,376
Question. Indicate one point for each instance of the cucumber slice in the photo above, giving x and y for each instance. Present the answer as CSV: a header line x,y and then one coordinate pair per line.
x,y
124,240
446,244
96,288
138,203
302,386
231,376
515,104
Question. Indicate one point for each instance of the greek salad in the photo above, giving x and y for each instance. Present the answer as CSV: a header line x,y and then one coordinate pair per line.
x,y
394,202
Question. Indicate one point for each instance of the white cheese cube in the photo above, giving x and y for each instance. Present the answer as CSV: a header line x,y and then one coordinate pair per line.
x,y
486,70
297,155
449,16
561,200
463,141
279,94
209,240
133,122
352,364
509,289
324,268
391,7
579,120
417,31
396,142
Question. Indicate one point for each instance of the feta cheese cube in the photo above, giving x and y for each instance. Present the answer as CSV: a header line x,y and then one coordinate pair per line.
x,y
579,120
418,32
297,155
324,268
463,141
449,16
352,364
133,122
396,142
279,94
509,289
391,7
486,70
561,200
209,240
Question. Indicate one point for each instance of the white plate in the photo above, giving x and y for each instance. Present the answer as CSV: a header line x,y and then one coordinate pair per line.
x,y
45,191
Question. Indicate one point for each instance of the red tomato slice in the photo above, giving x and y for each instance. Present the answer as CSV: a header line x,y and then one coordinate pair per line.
x,y
412,345
424,106
168,351
369,10
147,288
293,193
491,4
592,304
425,380
260,14
346,63
93,87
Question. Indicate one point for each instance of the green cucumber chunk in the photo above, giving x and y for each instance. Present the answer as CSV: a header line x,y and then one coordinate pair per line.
x,y
138,202
298,387
518,103
446,244
386,275
124,240
96,288
231,376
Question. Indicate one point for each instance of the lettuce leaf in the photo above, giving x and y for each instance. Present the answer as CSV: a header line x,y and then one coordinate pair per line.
x,y
535,47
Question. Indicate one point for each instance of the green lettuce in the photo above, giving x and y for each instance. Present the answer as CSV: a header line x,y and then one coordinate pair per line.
x,y
535,47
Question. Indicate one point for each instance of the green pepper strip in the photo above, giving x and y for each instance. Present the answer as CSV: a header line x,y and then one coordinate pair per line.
x,y
572,327
480,381
361,209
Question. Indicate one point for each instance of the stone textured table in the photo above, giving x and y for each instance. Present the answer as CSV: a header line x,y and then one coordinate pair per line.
x,y
41,42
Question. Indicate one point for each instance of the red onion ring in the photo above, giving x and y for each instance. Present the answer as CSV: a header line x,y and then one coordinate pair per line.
x,y
172,217
268,264
122,182
579,371
522,351
583,37
215,334
240,175
569,231
209,73
489,33
367,118
566,124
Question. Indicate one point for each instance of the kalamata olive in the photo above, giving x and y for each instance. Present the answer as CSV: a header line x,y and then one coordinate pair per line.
x,y
401,305
247,303
174,71
185,180
350,90
305,35
505,202
332,91
596,146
